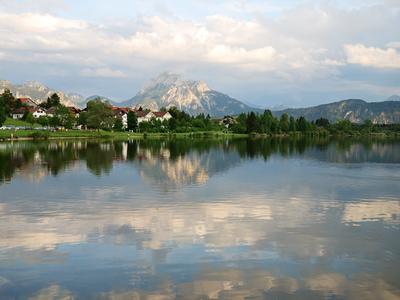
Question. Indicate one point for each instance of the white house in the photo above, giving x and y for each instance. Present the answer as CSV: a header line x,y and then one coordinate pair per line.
x,y
39,112
162,115
19,113
121,112
124,118
144,116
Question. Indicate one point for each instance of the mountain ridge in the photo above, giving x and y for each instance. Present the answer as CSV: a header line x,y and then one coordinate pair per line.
x,y
354,110
194,97
39,92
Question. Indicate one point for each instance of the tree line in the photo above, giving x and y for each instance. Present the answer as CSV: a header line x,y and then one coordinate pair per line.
x,y
267,123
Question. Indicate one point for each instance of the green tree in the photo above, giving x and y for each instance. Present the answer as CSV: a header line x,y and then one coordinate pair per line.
x,y
44,121
99,115
132,121
274,125
343,125
284,123
64,116
82,119
292,124
251,122
53,101
118,125
3,115
54,121
29,118
172,124
322,122
8,101
266,121
301,124
368,125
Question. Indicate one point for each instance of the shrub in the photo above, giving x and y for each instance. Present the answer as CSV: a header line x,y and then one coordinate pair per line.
x,y
40,135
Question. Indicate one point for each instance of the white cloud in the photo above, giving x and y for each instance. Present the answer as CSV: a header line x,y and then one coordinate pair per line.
x,y
301,44
102,72
246,45
393,44
372,57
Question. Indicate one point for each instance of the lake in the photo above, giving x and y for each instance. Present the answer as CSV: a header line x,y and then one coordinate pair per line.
x,y
200,219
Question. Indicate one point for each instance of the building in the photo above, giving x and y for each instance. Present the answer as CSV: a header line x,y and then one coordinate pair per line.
x,y
19,113
39,112
74,111
141,115
121,112
228,121
162,115
144,116
27,102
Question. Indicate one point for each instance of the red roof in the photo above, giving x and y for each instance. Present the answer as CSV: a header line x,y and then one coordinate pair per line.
x,y
74,110
159,114
27,101
121,109
141,113
21,110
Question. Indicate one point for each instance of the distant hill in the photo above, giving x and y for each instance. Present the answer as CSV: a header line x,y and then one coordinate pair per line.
x,y
194,97
39,92
355,110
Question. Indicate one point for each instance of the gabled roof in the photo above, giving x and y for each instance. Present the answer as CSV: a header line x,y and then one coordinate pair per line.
x,y
160,114
141,113
74,109
27,101
22,110
51,110
120,110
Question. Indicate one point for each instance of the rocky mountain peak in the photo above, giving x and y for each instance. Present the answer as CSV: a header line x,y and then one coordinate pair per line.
x,y
35,85
171,81
39,92
171,90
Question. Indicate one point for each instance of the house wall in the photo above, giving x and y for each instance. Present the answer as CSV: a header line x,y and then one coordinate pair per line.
x,y
39,113
17,116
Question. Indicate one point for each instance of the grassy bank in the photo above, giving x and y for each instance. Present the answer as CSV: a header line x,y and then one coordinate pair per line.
x,y
19,123
35,134
11,134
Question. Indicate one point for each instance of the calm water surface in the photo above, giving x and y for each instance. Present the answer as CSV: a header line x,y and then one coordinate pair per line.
x,y
200,219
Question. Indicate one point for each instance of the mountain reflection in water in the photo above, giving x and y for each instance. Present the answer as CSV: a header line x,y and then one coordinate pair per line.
x,y
200,219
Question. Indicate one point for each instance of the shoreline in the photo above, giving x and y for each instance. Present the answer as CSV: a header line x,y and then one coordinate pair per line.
x,y
30,135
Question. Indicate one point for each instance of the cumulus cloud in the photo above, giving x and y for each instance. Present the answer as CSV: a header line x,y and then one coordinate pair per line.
x,y
302,44
372,57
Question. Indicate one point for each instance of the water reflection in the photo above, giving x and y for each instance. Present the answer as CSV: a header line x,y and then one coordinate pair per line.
x,y
181,162
200,219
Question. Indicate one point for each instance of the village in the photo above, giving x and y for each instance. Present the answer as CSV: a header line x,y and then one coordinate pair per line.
x,y
29,106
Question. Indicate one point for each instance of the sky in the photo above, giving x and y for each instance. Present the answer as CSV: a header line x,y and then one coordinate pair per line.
x,y
265,53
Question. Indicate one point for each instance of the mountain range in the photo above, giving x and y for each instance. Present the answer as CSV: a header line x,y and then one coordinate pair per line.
x,y
168,90
194,97
354,110
39,92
